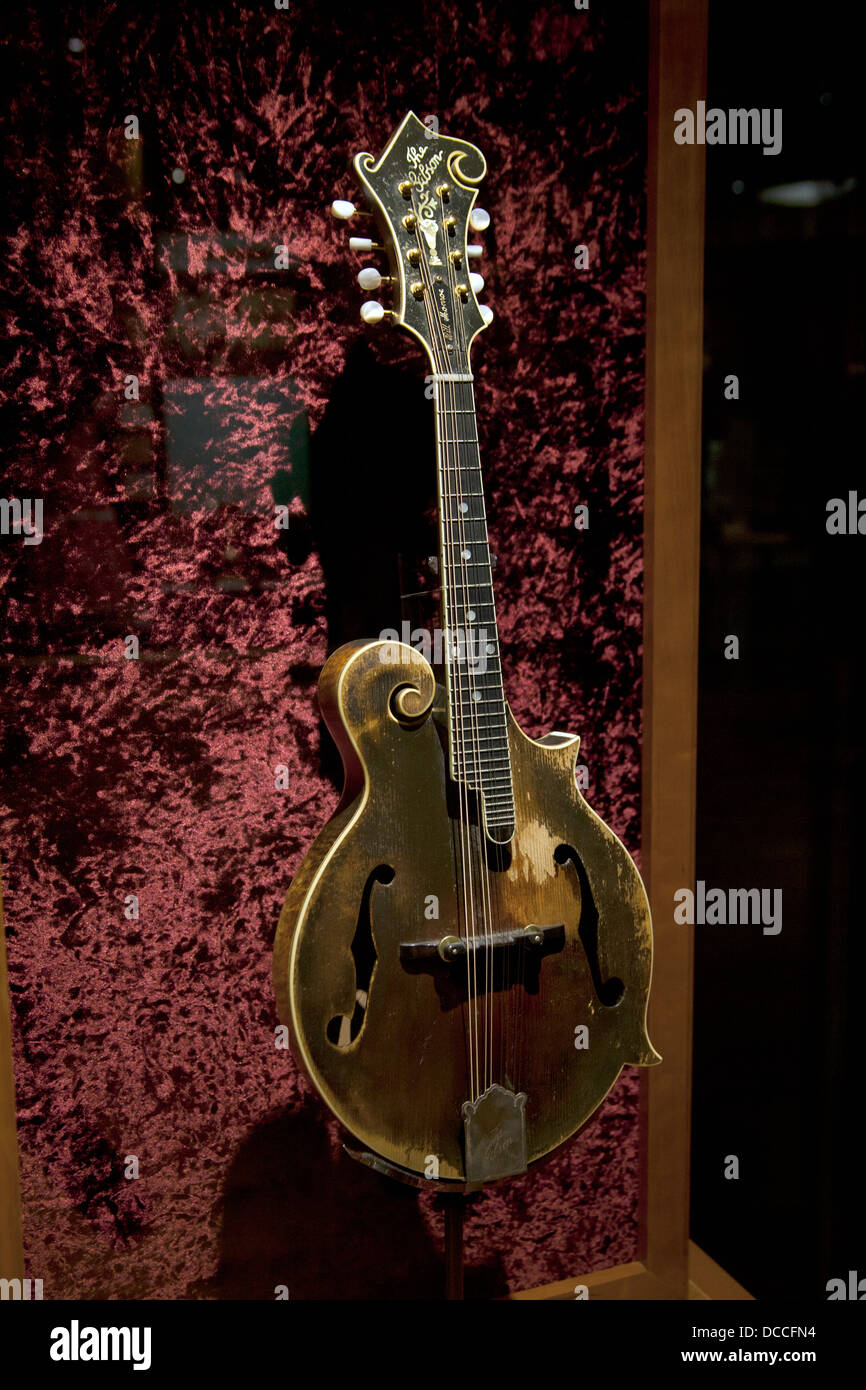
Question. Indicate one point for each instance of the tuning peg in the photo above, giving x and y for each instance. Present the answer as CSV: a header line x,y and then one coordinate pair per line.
x,y
372,312
486,313
473,252
343,210
476,281
369,278
479,220
363,244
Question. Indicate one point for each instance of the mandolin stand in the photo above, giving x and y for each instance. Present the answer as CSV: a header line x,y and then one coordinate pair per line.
x,y
453,1206
451,1198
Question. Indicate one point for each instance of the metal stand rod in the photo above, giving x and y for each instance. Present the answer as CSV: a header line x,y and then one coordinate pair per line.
x,y
453,1205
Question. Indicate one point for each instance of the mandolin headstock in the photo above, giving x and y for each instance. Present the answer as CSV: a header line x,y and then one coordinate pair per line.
x,y
421,192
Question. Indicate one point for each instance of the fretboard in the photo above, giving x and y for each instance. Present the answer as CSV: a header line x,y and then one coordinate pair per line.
x,y
478,730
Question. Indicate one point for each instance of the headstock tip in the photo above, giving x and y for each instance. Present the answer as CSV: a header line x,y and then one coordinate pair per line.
x,y
467,163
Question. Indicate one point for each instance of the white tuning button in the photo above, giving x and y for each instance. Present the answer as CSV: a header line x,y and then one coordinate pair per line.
x,y
473,252
486,313
369,278
342,210
476,281
479,220
372,312
360,243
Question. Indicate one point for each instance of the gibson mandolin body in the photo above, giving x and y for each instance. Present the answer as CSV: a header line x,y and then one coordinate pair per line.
x,y
397,1067
464,956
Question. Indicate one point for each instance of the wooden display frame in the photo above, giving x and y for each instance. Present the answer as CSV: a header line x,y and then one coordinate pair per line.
x,y
11,1246
675,242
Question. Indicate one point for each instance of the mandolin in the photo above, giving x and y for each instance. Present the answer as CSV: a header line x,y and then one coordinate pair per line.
x,y
464,956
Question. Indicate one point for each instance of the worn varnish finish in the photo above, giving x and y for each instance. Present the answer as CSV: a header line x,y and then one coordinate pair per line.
x,y
400,1084
455,832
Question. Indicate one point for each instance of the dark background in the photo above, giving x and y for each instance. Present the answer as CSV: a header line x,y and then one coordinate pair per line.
x,y
777,1071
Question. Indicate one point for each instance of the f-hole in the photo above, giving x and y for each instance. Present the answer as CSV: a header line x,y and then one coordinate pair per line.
x,y
344,1029
610,991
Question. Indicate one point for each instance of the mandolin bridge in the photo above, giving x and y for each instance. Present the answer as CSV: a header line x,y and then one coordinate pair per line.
x,y
416,957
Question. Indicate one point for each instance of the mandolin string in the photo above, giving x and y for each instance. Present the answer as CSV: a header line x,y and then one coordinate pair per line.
x,y
460,392
452,393
450,613
496,851
466,396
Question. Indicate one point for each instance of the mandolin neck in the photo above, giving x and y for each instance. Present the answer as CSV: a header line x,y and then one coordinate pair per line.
x,y
477,719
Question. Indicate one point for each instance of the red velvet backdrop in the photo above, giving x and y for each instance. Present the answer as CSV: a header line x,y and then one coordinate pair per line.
x,y
154,1037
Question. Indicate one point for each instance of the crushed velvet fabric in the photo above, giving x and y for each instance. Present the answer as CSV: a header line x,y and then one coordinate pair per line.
x,y
150,1037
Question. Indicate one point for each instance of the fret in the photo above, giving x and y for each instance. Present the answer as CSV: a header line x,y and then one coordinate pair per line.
x,y
498,777
466,729
471,664
499,780
500,773
491,688
491,738
490,769
470,678
468,716
503,740
468,708
499,749
485,696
